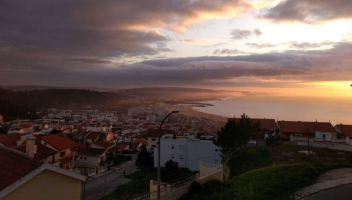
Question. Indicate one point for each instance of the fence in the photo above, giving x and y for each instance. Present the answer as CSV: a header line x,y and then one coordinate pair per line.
x,y
176,190
182,183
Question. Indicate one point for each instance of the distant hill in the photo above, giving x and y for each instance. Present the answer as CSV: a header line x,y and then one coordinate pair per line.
x,y
59,98
12,112
175,93
40,87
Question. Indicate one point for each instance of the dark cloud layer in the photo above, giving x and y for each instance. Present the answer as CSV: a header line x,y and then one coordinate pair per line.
x,y
306,66
47,34
310,11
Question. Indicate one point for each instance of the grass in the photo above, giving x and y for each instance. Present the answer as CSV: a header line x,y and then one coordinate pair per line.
x,y
257,174
261,174
277,182
138,186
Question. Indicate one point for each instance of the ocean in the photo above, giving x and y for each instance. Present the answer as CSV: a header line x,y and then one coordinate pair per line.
x,y
283,108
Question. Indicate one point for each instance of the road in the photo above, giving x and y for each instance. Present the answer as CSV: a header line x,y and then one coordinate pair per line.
x,y
94,188
341,193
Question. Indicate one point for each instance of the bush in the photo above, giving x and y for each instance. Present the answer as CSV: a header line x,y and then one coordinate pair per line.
x,y
248,160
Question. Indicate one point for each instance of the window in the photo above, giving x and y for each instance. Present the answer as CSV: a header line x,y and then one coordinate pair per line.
x,y
216,160
181,156
181,147
153,139
216,150
153,145
151,149
172,157
172,146
62,154
45,143
85,158
80,158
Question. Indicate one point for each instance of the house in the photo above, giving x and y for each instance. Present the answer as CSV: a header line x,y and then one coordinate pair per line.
x,y
92,136
344,132
62,144
102,144
322,131
23,177
188,154
89,160
36,150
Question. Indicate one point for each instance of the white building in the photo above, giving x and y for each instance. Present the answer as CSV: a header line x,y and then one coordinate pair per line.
x,y
186,153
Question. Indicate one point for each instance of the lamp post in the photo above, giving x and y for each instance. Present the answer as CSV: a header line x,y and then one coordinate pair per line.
x,y
175,111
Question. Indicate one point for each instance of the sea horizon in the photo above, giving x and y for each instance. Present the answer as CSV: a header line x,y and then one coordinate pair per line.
x,y
333,111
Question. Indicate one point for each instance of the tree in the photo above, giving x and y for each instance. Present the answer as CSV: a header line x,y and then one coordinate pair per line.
x,y
171,172
273,140
234,137
144,159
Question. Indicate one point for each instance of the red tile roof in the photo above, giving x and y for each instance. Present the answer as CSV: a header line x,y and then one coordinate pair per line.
x,y
264,123
93,135
155,132
104,144
302,127
345,129
86,151
59,141
14,166
42,151
141,141
7,141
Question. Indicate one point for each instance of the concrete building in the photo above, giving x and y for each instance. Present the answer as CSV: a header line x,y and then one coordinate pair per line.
x,y
187,154
153,135
25,178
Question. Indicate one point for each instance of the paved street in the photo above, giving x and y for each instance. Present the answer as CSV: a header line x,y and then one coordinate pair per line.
x,y
341,193
94,188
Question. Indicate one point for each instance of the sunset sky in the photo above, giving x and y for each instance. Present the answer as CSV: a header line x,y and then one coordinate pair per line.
x,y
292,47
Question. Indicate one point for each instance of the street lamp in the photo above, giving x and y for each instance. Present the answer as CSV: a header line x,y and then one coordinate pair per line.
x,y
175,111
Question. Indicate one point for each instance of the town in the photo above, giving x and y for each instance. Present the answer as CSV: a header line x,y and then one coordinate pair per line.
x,y
87,144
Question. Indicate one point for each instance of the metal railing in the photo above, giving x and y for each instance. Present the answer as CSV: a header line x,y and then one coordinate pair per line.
x,y
182,183
213,166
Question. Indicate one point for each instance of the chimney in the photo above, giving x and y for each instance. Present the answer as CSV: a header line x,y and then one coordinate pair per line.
x,y
30,146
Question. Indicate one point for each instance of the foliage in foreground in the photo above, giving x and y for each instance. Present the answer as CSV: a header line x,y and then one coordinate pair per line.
x,y
270,183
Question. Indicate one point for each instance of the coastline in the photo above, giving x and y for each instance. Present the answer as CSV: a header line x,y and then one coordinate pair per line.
x,y
188,110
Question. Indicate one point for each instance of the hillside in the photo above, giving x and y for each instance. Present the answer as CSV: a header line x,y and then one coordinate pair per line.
x,y
60,98
12,112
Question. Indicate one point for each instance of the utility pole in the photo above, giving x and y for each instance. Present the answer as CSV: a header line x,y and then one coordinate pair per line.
x,y
160,128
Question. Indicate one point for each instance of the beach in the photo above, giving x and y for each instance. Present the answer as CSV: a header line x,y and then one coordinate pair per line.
x,y
188,110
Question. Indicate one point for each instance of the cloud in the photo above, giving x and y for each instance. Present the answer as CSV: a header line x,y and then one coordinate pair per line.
x,y
244,34
308,45
312,11
216,71
257,32
226,51
260,45
51,34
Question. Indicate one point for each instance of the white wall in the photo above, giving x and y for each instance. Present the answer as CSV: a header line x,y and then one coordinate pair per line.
x,y
187,154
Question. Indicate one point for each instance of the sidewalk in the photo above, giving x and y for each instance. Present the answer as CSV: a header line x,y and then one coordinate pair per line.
x,y
323,185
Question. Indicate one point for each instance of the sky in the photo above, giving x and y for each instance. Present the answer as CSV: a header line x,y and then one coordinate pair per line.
x,y
263,47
